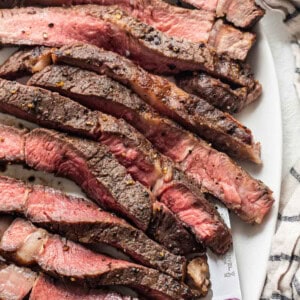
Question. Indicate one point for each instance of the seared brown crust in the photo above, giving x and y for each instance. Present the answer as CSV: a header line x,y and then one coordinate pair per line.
x,y
26,61
216,92
219,128
107,129
101,176
174,236
195,26
71,262
46,207
114,30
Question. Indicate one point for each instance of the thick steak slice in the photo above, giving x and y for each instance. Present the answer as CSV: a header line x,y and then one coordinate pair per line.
x,y
236,188
94,169
216,92
224,132
25,61
113,29
15,282
47,288
26,244
242,13
82,221
209,229
191,25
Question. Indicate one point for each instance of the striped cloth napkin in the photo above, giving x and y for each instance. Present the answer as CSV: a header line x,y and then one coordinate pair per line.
x,y
283,274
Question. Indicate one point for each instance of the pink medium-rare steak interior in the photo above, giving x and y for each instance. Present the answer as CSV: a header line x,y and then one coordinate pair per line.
x,y
70,261
81,220
15,282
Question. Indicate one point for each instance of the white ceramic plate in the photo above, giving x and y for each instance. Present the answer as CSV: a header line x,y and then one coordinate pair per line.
x,y
252,243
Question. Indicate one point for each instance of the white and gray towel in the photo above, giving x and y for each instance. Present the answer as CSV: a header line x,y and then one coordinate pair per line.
x,y
283,274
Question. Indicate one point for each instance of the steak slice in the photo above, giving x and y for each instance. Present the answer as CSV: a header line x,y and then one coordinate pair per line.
x,y
25,61
94,169
195,26
26,244
242,13
112,29
224,132
250,198
15,282
216,92
82,221
212,231
46,288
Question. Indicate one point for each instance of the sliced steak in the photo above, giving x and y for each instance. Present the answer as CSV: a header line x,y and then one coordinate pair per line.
x,y
242,13
222,177
46,288
216,92
15,282
212,232
224,132
94,169
174,21
25,61
228,40
112,29
82,221
26,244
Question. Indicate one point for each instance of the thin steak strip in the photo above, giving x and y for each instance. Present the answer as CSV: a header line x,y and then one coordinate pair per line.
x,y
219,128
112,29
28,245
191,25
82,221
209,229
47,288
242,13
217,93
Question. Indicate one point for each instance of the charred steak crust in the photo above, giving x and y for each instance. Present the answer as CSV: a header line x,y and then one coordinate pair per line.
x,y
212,170
92,89
25,61
208,230
226,133
195,26
94,169
112,29
82,221
214,91
28,245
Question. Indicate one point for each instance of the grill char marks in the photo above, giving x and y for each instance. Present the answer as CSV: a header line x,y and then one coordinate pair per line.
x,y
82,221
216,92
28,245
213,227
195,26
112,29
212,170
222,130
15,282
